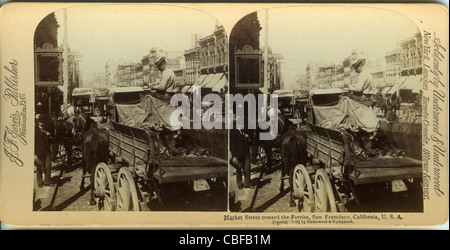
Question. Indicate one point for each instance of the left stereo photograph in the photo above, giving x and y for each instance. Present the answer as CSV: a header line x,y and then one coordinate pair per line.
x,y
105,134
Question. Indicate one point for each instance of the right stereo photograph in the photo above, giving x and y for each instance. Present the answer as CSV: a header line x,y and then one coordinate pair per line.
x,y
327,111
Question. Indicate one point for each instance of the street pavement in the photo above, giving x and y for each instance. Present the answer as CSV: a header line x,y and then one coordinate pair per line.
x,y
264,195
67,195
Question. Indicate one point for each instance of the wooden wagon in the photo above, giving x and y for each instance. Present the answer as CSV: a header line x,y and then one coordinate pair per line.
x,y
329,181
139,169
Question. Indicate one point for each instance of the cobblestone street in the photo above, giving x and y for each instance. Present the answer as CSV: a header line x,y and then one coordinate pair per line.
x,y
262,197
67,195
266,196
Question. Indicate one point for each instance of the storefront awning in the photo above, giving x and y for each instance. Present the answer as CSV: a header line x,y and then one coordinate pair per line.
x,y
394,88
418,85
214,80
191,89
407,83
207,79
415,81
201,79
223,81
185,88
403,81
386,90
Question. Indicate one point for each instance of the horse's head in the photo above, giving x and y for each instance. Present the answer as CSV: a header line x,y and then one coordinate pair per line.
x,y
79,122
49,127
83,123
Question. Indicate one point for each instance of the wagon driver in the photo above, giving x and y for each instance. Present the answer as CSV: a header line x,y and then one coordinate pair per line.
x,y
165,87
362,89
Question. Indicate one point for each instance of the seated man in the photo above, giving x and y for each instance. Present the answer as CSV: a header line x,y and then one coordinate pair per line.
x,y
165,87
362,89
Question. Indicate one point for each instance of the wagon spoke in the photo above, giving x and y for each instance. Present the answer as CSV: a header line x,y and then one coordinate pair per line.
x,y
323,195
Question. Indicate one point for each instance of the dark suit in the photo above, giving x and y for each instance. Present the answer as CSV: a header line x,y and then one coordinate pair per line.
x,y
239,148
42,151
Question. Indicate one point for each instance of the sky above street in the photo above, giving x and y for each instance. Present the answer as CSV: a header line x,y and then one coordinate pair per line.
x,y
325,34
123,32
301,34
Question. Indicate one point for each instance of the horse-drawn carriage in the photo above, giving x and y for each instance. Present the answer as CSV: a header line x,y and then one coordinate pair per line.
x,y
123,95
290,104
83,100
334,170
141,172
101,108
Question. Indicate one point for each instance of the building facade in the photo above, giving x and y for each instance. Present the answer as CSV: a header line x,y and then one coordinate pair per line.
x,y
206,65
392,72
411,55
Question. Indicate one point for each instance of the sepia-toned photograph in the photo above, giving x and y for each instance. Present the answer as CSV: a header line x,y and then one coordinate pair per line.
x,y
104,141
349,88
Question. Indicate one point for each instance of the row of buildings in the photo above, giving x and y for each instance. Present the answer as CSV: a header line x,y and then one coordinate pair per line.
x,y
204,64
393,70
207,64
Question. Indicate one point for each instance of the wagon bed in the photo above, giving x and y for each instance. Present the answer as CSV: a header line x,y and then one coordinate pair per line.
x,y
386,169
190,168
333,148
139,148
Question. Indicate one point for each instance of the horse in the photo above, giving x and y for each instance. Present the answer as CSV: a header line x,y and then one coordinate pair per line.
x,y
293,152
61,133
95,148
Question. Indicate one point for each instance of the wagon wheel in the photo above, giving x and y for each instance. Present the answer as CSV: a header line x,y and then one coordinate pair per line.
x,y
104,188
127,198
303,189
323,193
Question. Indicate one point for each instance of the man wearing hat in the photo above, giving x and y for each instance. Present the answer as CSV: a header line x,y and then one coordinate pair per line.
x,y
166,85
362,89
42,152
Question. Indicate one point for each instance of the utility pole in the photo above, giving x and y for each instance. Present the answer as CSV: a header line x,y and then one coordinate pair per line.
x,y
266,52
65,61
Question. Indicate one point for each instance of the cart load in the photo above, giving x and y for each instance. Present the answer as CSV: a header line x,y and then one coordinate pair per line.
x,y
150,112
345,114
153,114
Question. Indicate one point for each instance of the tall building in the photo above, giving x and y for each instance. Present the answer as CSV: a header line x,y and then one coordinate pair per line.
x,y
192,67
274,70
411,55
404,68
206,65
392,72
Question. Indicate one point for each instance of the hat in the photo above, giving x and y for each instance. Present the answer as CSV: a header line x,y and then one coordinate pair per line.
x,y
359,62
159,61
357,59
